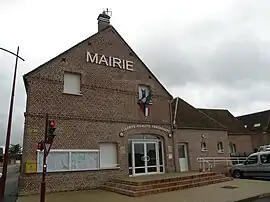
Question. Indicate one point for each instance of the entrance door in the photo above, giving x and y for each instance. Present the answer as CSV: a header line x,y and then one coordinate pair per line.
x,y
145,158
183,157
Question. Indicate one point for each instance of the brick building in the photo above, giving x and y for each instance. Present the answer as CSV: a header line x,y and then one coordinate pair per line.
x,y
113,119
239,136
196,135
112,116
259,124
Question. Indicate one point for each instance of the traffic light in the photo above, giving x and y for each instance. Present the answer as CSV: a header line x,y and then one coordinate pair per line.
x,y
40,146
51,129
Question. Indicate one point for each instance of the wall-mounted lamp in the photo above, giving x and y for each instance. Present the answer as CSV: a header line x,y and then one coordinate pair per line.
x,y
169,135
121,134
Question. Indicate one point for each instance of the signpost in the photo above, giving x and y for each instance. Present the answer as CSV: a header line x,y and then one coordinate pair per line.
x,y
5,163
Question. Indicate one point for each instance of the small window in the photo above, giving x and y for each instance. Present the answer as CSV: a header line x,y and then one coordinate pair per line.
x,y
220,147
252,160
257,125
232,148
72,83
181,151
108,155
265,158
143,91
203,146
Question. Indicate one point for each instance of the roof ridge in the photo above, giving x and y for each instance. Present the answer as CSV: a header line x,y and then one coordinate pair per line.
x,y
217,109
268,110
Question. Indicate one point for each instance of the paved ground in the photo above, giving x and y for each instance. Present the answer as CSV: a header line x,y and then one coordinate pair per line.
x,y
11,183
211,193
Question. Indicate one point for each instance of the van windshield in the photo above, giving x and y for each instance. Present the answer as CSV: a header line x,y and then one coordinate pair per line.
x,y
252,160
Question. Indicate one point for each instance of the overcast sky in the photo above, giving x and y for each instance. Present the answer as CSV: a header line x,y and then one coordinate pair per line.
x,y
213,54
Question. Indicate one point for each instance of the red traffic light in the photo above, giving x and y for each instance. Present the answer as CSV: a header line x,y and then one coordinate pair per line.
x,y
52,124
40,146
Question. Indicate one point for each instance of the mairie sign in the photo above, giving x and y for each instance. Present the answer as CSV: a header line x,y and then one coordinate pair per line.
x,y
109,61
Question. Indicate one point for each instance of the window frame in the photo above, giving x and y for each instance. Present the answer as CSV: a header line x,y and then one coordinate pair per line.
x,y
204,146
140,86
80,83
220,147
40,161
116,165
267,163
232,148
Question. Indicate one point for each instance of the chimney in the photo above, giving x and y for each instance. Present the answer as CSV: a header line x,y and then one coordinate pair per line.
x,y
103,21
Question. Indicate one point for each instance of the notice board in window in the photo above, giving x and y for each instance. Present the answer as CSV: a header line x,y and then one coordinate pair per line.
x,y
56,161
84,161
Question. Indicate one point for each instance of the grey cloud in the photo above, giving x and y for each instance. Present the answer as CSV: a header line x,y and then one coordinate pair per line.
x,y
226,59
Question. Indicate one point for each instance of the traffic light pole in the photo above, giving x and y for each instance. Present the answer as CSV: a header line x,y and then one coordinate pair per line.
x,y
43,183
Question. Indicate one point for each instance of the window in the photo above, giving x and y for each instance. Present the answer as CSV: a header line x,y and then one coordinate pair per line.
x,y
108,155
69,160
181,151
72,83
203,146
257,125
232,148
265,158
252,160
220,147
143,91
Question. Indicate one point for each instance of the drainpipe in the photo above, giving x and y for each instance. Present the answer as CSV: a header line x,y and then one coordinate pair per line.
x,y
172,121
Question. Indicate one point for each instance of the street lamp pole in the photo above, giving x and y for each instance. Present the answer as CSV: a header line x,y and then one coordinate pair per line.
x,y
5,163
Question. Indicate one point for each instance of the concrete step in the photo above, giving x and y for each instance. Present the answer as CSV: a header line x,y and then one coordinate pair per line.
x,y
162,184
163,180
137,193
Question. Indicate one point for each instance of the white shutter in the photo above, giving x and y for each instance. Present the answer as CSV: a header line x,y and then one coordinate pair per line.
x,y
72,83
108,155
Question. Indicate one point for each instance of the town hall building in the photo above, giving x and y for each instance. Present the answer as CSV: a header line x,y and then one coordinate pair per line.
x,y
113,119
112,116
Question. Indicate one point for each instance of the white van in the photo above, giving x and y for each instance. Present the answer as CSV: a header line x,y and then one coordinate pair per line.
x,y
256,165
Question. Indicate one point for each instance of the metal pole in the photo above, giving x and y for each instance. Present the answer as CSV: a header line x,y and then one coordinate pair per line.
x,y
5,163
43,183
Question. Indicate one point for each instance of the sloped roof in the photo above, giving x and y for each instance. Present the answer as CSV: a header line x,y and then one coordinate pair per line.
x,y
188,116
115,31
224,117
262,118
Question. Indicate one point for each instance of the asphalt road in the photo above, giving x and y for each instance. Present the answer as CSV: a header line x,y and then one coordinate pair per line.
x,y
11,190
267,199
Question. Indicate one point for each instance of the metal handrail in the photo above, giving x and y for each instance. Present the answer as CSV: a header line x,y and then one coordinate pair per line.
x,y
213,161
202,164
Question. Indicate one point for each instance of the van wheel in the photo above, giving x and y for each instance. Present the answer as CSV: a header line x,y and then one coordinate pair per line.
x,y
237,174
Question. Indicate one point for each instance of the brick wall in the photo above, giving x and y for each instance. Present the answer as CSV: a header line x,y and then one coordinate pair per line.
x,y
243,143
193,138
